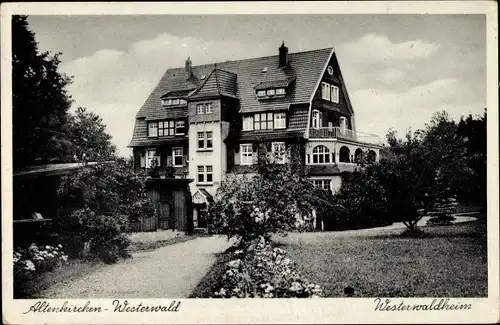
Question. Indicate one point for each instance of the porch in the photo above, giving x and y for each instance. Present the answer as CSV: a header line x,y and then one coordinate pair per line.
x,y
336,132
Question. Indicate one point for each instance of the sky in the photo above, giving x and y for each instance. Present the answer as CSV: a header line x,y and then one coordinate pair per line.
x,y
399,69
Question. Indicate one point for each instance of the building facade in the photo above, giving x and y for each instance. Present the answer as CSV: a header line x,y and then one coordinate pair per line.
x,y
203,121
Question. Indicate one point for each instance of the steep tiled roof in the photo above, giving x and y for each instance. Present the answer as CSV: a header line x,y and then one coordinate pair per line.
x,y
218,83
239,79
305,67
178,93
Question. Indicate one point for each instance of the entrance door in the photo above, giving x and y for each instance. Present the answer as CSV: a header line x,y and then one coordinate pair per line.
x,y
165,215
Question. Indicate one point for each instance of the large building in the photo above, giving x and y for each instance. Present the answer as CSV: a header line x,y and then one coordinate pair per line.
x,y
203,121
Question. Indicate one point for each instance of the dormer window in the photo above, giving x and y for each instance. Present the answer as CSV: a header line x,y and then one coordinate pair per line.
x,y
271,93
173,102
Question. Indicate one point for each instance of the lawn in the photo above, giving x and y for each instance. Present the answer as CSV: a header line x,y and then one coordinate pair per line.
x,y
450,261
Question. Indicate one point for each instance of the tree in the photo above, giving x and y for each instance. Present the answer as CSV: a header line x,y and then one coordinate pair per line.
x,y
427,167
40,101
473,134
89,139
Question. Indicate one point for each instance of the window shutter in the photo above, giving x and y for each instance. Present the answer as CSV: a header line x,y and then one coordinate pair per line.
x,y
237,148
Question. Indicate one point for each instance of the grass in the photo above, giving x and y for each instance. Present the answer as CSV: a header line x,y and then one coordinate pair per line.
x,y
147,241
211,281
448,261
149,246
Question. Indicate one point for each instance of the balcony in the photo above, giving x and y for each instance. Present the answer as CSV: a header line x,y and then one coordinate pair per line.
x,y
345,134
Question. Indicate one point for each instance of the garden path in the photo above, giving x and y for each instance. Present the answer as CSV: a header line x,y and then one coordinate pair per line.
x,y
168,272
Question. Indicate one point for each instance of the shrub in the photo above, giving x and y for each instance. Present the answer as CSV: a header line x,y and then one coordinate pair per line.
x,y
264,271
442,212
105,234
34,261
107,196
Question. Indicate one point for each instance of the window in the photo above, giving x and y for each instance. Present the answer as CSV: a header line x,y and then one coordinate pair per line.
x,y
247,123
201,140
173,102
317,118
343,125
205,174
153,129
263,121
256,120
320,155
323,183
166,128
335,94
210,172
180,127
330,92
270,92
325,91
177,156
205,140
150,157
280,120
246,154
199,109
201,174
208,108
278,152
280,91
261,93
209,139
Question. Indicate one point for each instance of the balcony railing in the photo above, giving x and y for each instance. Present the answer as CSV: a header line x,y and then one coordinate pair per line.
x,y
346,134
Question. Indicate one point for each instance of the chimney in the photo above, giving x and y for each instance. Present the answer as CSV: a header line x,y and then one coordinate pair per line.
x,y
189,68
283,60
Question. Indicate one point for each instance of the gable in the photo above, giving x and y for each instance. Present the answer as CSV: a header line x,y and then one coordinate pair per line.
x,y
335,78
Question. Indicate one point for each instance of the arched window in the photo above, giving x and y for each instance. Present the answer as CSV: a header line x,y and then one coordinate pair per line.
x,y
372,155
344,154
321,155
358,155
317,118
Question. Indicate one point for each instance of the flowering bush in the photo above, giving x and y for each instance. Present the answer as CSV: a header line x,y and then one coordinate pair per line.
x,y
264,271
34,261
279,198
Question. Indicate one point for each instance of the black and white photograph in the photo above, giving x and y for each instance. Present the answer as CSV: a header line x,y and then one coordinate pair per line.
x,y
177,156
